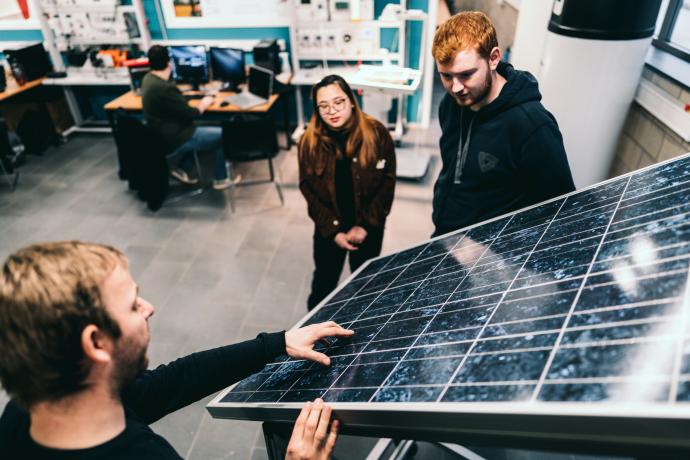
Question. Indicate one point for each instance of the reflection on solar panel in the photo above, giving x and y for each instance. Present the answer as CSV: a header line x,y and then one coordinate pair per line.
x,y
582,298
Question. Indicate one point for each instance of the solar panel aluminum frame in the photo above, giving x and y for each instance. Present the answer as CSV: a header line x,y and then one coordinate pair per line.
x,y
654,429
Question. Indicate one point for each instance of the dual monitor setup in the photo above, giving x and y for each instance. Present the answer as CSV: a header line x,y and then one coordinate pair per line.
x,y
193,65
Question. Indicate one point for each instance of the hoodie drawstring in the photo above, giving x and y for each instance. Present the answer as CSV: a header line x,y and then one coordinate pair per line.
x,y
463,149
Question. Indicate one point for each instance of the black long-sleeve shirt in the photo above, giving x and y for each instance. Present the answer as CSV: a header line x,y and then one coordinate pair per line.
x,y
167,111
155,394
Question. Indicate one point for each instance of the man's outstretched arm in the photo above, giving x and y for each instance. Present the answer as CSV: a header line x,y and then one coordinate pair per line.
x,y
172,386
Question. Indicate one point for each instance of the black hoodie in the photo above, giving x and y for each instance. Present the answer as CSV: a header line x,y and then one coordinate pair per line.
x,y
515,156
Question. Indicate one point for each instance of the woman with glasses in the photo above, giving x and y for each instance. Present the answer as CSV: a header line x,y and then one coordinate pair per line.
x,y
347,176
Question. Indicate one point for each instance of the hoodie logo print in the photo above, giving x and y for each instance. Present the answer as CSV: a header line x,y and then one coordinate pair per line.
x,y
487,162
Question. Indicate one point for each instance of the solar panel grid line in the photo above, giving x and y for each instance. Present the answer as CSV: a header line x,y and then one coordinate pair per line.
x,y
657,229
646,303
629,322
673,209
507,350
622,341
613,379
639,278
622,230
449,296
685,316
360,315
462,342
654,194
552,355
488,321
667,253
684,258
494,383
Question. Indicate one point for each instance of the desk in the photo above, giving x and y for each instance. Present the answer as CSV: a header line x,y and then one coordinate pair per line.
x,y
16,99
91,77
87,77
13,88
131,102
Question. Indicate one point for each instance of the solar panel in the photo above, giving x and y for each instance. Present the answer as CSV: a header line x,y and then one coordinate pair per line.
x,y
581,299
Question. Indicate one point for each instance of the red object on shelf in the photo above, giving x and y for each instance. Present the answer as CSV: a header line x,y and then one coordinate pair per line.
x,y
687,108
24,6
139,62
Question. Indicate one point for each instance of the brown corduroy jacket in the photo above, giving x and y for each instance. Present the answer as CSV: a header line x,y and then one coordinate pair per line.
x,y
373,185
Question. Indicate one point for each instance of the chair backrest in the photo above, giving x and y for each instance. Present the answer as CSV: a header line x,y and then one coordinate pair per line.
x,y
143,154
6,152
250,138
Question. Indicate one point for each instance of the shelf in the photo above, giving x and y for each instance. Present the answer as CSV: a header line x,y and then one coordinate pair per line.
x,y
63,44
374,23
318,56
82,9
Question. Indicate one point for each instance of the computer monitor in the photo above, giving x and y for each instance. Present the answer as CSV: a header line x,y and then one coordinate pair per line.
x,y
31,62
136,75
227,65
190,64
260,81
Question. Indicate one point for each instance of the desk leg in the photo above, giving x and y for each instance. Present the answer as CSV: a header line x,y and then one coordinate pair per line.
x,y
399,127
300,109
286,120
277,436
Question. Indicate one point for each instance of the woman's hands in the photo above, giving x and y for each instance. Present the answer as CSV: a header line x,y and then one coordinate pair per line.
x,y
342,241
357,235
299,343
349,240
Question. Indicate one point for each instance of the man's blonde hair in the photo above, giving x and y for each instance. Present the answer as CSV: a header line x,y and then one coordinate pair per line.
x,y
466,30
48,294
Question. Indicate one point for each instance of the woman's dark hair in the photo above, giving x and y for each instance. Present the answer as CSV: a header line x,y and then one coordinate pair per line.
x,y
317,141
158,57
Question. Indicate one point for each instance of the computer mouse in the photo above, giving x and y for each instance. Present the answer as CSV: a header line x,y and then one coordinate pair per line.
x,y
224,103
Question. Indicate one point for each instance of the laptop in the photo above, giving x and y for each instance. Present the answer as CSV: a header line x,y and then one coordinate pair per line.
x,y
259,89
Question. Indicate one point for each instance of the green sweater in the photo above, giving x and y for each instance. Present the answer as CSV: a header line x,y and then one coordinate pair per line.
x,y
167,111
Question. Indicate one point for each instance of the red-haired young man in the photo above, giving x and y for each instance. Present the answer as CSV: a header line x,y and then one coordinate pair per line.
x,y
501,149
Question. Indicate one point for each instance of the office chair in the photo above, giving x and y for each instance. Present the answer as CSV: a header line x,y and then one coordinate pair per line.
x,y
7,168
247,138
143,157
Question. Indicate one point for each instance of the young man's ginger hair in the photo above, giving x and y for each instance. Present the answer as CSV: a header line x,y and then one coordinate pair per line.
x,y
466,30
48,294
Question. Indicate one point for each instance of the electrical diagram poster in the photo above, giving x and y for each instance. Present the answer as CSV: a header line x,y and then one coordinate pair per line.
x,y
224,13
17,14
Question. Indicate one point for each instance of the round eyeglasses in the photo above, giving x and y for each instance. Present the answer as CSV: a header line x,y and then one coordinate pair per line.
x,y
337,106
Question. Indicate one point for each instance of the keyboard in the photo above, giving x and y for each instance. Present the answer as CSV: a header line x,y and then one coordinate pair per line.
x,y
190,97
245,100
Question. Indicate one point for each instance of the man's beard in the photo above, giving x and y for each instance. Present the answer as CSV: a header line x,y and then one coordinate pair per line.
x,y
130,362
476,96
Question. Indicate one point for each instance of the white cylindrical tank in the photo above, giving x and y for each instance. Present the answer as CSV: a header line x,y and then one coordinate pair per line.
x,y
530,35
592,62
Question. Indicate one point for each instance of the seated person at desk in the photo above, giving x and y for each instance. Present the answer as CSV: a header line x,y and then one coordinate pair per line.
x,y
167,111
74,341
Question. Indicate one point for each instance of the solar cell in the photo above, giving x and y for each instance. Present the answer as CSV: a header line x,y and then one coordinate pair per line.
x,y
579,299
